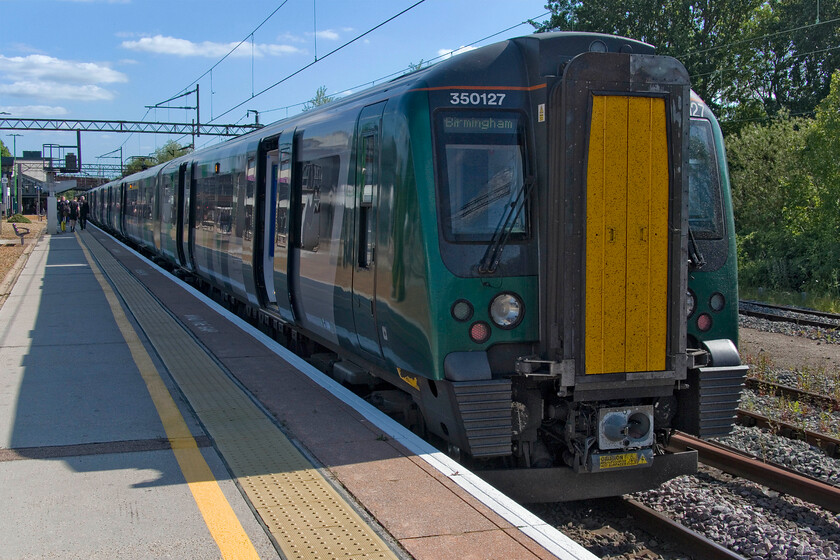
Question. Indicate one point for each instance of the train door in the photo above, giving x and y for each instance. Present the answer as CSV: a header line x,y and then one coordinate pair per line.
x,y
368,150
186,216
123,208
271,165
272,253
282,181
617,149
178,208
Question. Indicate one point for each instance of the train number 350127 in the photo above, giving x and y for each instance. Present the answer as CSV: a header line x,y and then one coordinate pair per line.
x,y
476,98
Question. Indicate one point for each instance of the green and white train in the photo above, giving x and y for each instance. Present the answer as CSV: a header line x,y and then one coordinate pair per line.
x,y
524,252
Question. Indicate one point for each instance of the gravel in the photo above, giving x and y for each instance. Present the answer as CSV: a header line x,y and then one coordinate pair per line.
x,y
796,455
829,336
749,519
753,521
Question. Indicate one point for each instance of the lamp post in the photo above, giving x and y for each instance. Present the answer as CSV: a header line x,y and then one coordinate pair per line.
x,y
5,182
16,205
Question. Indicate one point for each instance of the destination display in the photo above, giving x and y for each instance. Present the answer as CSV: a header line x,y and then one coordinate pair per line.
x,y
461,124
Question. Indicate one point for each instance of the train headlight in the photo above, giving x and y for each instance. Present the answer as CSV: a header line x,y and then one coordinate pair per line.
x,y
506,310
717,301
690,303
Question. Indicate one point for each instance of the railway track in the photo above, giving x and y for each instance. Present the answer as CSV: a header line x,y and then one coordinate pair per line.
x,y
792,393
778,478
829,445
796,315
661,525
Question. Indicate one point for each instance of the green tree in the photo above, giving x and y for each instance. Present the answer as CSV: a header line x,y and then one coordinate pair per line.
x,y
137,164
168,151
774,202
820,157
321,98
764,164
696,33
788,55
748,59
4,151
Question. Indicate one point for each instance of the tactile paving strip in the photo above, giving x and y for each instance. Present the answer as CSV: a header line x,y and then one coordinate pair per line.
x,y
304,513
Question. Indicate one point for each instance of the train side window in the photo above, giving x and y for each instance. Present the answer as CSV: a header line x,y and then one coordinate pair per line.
x,y
319,181
250,189
367,203
284,174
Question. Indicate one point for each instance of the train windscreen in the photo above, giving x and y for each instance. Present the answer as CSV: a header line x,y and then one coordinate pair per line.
x,y
480,157
705,211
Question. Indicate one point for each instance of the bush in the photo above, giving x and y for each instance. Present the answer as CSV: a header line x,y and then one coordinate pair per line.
x,y
19,219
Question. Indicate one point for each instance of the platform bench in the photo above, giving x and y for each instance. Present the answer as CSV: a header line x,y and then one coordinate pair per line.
x,y
20,232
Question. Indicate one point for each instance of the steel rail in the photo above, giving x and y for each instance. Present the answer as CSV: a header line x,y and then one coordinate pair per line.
x,y
656,523
805,322
789,392
829,445
814,312
778,478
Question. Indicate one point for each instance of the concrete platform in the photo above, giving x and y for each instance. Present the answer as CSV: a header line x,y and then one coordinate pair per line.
x,y
92,464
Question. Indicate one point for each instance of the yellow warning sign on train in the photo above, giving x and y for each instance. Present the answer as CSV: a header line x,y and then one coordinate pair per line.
x,y
622,460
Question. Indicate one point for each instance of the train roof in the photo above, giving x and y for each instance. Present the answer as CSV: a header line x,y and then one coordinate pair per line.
x,y
525,59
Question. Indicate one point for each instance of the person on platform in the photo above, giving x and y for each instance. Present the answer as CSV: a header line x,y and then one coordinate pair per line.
x,y
84,210
62,211
74,213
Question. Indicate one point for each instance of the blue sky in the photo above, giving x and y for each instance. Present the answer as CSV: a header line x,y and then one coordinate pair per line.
x,y
108,59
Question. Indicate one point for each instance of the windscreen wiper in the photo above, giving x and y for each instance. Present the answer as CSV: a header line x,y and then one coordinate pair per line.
x,y
695,257
490,261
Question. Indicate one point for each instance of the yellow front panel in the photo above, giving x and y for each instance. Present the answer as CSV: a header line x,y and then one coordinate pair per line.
x,y
626,236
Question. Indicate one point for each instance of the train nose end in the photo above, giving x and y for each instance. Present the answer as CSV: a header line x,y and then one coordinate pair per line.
x,y
625,427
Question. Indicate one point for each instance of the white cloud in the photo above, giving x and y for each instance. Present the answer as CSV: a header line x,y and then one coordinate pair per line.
x,y
290,38
327,34
33,111
40,67
160,44
38,76
54,90
455,52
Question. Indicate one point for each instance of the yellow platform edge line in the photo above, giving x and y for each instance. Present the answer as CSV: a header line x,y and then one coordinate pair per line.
x,y
224,526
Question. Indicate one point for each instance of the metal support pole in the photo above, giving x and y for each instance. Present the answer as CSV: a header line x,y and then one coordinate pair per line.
x,y
14,202
17,189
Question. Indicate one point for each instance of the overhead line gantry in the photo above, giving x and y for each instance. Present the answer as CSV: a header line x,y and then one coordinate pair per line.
x,y
191,129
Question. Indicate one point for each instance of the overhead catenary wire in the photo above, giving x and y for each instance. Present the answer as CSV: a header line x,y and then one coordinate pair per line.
x,y
307,66
401,71
179,94
760,38
250,35
732,69
404,69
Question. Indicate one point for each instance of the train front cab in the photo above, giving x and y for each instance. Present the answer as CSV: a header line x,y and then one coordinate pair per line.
x,y
612,373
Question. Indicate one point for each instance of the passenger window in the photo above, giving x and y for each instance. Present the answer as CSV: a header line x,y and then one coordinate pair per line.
x,y
367,204
319,180
284,173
